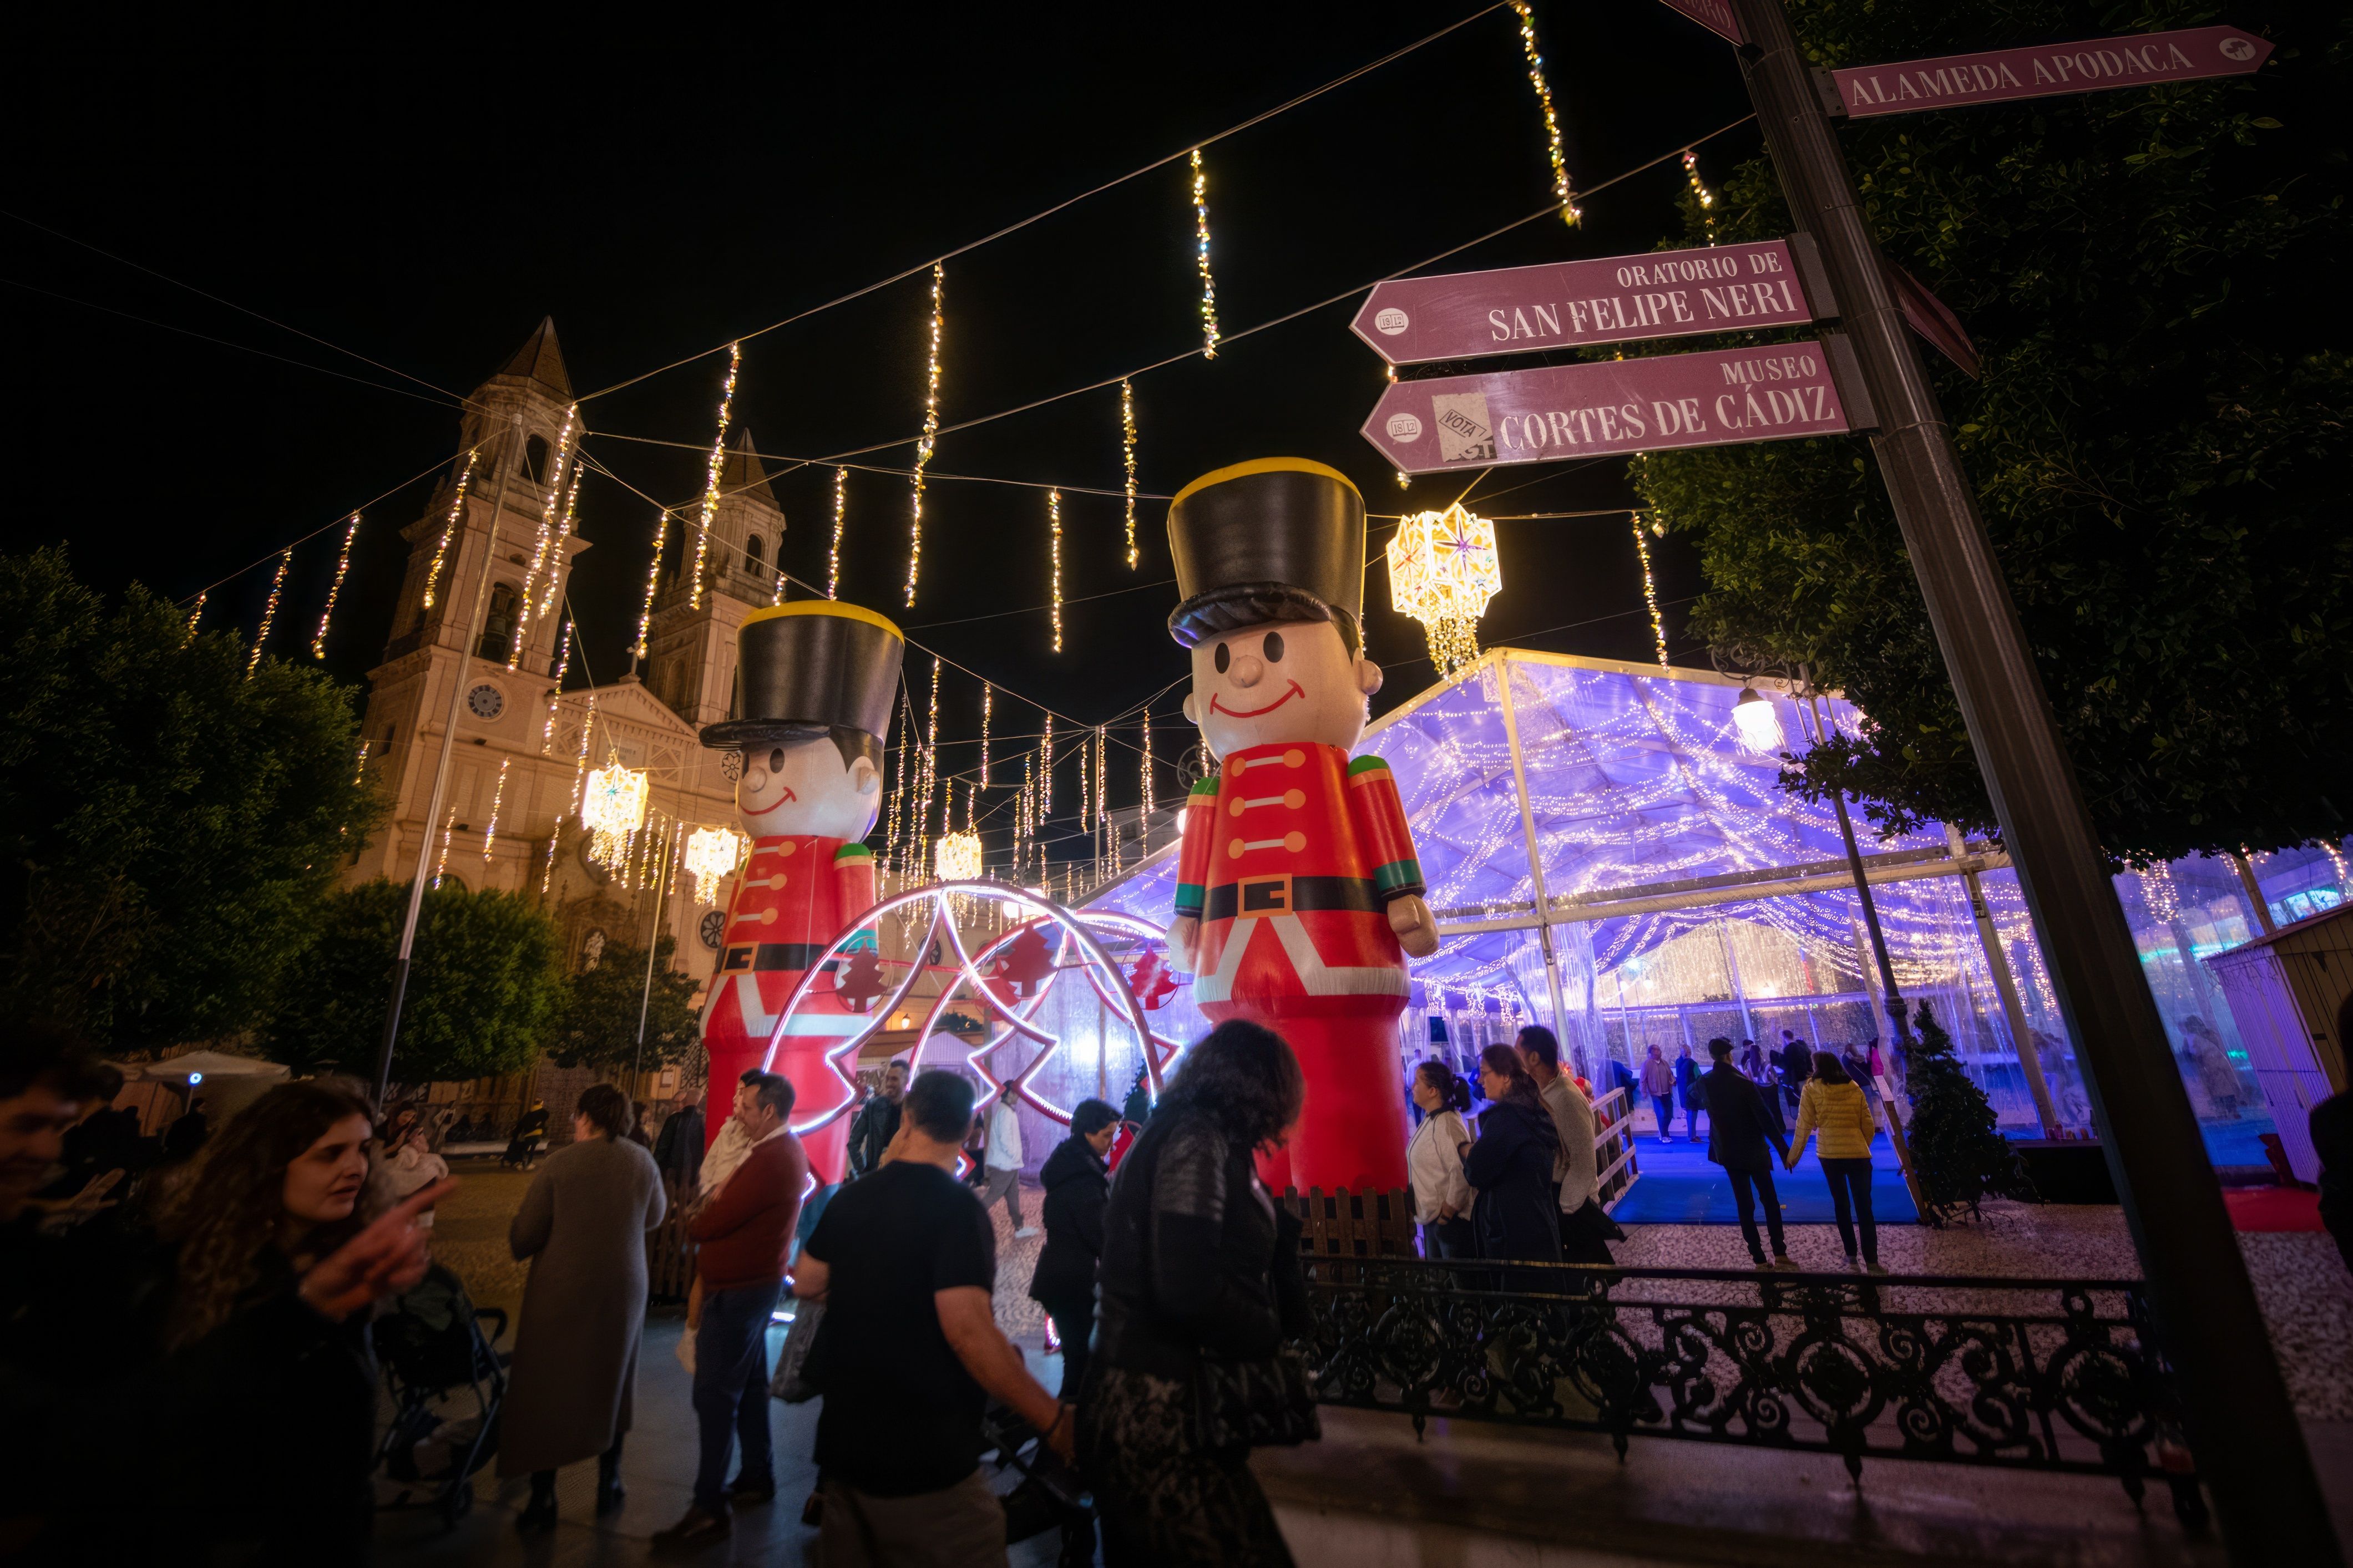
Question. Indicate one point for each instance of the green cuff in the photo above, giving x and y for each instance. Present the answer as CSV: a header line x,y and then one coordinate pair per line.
x,y
1399,878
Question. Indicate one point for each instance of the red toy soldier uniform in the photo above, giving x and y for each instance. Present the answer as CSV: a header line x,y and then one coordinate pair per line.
x,y
817,677
1298,891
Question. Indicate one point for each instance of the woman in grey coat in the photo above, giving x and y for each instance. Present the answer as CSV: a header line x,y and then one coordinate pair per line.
x,y
583,1225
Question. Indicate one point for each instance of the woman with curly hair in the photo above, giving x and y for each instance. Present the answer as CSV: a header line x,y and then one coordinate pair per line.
x,y
1200,1279
269,1378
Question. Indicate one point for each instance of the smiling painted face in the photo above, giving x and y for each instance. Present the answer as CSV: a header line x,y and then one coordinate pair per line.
x,y
801,788
1282,681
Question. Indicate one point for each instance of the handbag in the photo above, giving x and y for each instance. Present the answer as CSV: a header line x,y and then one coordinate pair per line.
x,y
791,1382
1255,1402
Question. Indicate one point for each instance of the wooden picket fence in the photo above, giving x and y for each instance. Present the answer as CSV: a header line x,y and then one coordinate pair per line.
x,y
669,1251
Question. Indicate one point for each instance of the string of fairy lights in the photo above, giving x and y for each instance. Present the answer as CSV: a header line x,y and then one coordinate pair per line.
x,y
1202,258
343,567
930,440
922,807
1561,187
713,469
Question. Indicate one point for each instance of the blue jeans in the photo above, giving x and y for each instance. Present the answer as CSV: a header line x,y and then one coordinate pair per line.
x,y
1850,1183
1662,1106
731,1389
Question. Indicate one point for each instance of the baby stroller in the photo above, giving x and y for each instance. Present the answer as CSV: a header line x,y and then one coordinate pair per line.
x,y
447,1382
1050,1495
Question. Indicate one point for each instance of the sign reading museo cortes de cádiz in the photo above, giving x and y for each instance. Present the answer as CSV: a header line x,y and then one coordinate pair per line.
x,y
1543,415
1604,299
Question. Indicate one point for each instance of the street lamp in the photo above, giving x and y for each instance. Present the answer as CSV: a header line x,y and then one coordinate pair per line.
x,y
1760,726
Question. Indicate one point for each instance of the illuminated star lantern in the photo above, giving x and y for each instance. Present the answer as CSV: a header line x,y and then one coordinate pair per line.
x,y
613,807
1442,572
957,857
712,855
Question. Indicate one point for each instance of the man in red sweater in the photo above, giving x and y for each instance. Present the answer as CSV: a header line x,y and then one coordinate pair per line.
x,y
742,1233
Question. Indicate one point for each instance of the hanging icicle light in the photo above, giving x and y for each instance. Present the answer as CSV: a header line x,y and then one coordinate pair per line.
x,y
930,437
1560,183
711,856
905,753
1127,456
930,773
544,546
1046,771
1700,193
441,863
195,614
1651,592
1144,827
614,809
957,857
653,575
269,611
1054,557
1444,569
342,566
555,691
498,798
988,703
713,469
450,526
563,537
1758,726
1202,258
841,511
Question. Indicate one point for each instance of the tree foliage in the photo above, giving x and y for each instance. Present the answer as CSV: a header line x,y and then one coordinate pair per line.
x,y
598,1023
2159,442
1959,1155
171,824
485,984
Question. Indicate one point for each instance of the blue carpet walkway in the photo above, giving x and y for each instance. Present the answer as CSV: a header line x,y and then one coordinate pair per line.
x,y
1678,1186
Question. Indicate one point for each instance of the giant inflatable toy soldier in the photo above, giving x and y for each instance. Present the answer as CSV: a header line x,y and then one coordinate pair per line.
x,y
818,679
1298,893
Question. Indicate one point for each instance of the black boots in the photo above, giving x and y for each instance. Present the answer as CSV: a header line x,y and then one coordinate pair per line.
x,y
540,1515
609,1490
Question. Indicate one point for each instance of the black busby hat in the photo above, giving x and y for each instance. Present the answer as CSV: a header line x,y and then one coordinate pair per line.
x,y
1279,539
806,667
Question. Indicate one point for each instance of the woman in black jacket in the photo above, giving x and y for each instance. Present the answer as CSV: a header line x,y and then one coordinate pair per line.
x,y
1077,1186
1518,1212
269,1384
1199,1262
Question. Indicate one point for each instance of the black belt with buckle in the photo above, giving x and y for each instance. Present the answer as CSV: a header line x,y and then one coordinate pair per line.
x,y
1287,895
792,955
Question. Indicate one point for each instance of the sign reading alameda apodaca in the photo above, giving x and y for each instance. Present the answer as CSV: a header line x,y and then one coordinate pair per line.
x,y
2139,60
1608,407
1605,300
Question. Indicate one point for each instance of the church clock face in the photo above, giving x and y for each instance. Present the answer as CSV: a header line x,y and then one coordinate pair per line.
x,y
486,701
713,927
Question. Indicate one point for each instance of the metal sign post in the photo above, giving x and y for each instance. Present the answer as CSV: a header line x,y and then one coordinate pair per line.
x,y
2249,1447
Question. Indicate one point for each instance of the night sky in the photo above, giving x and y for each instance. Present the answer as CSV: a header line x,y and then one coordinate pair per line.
x,y
657,195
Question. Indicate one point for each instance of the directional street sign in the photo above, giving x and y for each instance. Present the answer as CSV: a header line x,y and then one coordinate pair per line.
x,y
1714,16
1605,300
1551,411
1998,76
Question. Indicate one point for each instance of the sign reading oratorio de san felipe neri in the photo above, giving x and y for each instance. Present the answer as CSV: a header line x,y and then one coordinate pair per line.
x,y
1602,300
1998,76
1542,415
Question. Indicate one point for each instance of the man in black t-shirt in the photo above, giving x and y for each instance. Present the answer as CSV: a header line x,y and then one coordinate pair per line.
x,y
905,1260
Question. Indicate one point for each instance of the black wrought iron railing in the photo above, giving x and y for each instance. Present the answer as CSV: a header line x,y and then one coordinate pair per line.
x,y
2046,1375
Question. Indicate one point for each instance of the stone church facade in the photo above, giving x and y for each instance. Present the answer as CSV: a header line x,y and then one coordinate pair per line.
x,y
648,717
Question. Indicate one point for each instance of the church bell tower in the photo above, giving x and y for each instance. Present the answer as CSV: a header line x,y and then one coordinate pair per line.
x,y
689,661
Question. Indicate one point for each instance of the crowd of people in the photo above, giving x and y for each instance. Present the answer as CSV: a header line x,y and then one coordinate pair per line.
x,y
232,1299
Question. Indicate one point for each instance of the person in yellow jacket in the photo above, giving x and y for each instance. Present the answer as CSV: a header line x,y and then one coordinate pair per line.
x,y
1832,1104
